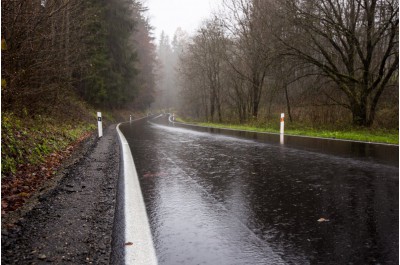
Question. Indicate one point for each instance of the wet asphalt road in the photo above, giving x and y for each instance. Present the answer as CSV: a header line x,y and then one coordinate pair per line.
x,y
218,199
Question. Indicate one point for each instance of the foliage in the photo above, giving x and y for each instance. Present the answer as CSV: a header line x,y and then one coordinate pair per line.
x,y
30,141
110,54
315,60
53,51
32,151
92,48
146,78
60,59
355,47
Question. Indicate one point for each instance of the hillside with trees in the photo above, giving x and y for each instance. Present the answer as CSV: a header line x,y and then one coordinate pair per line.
x,y
100,50
61,62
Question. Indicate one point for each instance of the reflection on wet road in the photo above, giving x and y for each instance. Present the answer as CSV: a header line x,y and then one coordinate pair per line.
x,y
215,199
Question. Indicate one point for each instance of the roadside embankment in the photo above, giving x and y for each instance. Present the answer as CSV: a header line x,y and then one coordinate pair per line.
x,y
70,219
376,135
33,149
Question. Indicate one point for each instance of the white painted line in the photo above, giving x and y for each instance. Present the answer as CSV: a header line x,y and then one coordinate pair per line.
x,y
139,247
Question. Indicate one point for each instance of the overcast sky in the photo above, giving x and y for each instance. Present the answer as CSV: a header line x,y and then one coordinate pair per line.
x,y
168,15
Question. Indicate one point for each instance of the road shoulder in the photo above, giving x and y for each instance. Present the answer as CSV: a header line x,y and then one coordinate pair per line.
x,y
71,221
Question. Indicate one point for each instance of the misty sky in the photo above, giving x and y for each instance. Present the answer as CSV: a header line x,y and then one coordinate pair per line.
x,y
168,15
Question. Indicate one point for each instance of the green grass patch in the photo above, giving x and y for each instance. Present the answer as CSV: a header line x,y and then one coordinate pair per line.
x,y
343,132
30,140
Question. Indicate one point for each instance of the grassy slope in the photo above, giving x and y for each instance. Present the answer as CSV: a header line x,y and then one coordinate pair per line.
x,y
30,141
356,134
34,147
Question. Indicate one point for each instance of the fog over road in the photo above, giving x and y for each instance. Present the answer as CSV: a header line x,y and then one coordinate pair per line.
x,y
218,199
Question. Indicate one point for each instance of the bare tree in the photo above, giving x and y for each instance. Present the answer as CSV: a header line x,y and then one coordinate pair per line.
x,y
250,54
43,50
207,52
193,86
353,43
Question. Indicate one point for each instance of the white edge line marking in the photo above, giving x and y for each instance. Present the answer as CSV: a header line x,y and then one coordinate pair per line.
x,y
137,227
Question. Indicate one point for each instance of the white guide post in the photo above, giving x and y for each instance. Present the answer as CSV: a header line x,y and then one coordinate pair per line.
x,y
173,116
99,124
282,123
130,118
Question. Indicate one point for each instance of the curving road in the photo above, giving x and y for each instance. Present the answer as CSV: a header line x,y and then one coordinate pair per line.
x,y
224,197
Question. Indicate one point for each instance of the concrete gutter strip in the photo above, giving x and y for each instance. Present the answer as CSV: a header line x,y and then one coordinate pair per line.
x,y
139,247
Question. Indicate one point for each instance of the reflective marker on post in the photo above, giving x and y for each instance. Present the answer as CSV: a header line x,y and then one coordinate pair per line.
x,y
99,124
282,123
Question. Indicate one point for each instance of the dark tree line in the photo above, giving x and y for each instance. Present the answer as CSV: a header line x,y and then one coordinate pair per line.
x,y
308,58
97,49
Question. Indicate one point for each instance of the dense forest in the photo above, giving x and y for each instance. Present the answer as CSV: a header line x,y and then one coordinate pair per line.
x,y
63,60
318,61
101,51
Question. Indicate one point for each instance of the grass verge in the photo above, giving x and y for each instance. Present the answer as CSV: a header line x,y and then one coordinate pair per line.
x,y
32,150
345,133
30,141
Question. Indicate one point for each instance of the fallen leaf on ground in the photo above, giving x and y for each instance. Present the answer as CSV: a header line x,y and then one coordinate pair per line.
x,y
128,244
13,193
323,220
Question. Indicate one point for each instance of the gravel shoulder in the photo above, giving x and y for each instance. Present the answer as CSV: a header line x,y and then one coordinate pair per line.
x,y
70,221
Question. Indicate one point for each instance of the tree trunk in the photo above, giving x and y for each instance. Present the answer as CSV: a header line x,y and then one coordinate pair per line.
x,y
359,111
288,104
219,111
212,106
256,100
